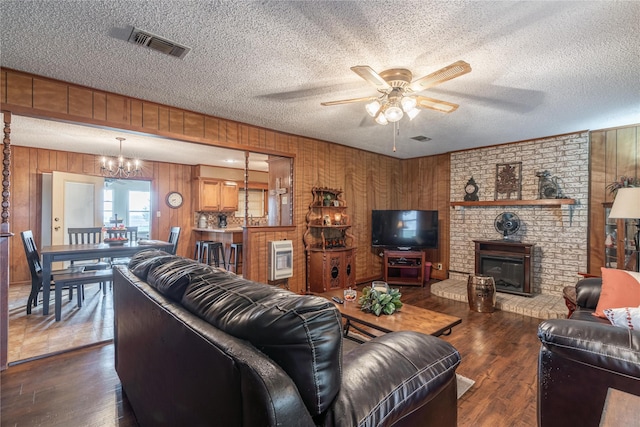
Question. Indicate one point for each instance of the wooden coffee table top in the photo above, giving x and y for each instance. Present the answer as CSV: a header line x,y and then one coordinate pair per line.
x,y
409,318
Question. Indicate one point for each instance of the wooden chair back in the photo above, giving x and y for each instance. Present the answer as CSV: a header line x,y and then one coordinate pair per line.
x,y
82,235
174,235
33,257
131,233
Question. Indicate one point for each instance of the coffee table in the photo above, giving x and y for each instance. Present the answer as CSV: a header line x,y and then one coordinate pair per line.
x,y
409,318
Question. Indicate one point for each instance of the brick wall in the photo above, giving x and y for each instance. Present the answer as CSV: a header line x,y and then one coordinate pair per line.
x,y
560,233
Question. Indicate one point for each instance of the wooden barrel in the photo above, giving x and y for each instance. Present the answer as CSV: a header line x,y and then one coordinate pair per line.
x,y
481,291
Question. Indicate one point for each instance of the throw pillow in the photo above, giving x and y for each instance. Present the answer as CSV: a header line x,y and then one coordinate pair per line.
x,y
620,288
628,317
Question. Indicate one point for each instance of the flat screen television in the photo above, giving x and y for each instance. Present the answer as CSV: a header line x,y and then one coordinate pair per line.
x,y
404,229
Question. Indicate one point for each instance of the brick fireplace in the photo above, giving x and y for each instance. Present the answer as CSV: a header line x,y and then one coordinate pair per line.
x,y
559,232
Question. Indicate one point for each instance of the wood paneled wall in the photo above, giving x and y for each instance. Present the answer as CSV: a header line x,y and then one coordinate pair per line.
x,y
27,167
614,153
370,181
426,186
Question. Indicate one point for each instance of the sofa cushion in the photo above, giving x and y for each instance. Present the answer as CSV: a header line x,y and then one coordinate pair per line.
x,y
301,333
172,277
620,289
143,261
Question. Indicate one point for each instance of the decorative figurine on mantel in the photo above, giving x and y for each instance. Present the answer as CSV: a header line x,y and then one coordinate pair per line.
x,y
508,181
471,191
548,187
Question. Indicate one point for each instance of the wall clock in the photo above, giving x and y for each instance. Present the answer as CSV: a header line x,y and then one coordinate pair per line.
x,y
174,199
471,191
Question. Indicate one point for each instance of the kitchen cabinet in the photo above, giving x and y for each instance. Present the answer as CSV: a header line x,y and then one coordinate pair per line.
x,y
214,195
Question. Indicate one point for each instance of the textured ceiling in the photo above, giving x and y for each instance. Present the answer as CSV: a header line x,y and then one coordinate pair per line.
x,y
539,68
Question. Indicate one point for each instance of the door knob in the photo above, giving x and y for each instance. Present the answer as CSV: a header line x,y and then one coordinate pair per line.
x,y
56,228
56,219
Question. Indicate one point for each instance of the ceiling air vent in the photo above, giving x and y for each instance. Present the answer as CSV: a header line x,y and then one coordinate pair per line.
x,y
421,138
154,42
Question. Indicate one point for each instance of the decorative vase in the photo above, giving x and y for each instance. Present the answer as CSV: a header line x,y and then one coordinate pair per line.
x,y
202,221
481,291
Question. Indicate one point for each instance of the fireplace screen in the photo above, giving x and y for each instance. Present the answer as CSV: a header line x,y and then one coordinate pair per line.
x,y
508,262
508,273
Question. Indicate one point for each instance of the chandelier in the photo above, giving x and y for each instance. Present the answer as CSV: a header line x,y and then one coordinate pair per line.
x,y
120,167
392,106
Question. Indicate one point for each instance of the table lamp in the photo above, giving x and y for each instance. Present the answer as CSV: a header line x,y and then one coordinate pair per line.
x,y
626,205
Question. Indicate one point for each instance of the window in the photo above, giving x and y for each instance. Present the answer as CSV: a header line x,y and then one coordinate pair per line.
x,y
138,212
108,207
256,204
131,201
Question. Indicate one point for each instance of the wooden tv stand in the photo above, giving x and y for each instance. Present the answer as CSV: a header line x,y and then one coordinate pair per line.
x,y
403,267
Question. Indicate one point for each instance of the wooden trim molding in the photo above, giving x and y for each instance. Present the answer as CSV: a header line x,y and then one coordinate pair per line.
x,y
6,173
5,234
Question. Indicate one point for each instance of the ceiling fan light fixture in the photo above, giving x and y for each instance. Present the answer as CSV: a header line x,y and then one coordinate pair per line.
x,y
373,108
413,113
381,119
393,113
408,103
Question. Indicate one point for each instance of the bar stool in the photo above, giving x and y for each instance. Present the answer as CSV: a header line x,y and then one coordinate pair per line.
x,y
235,251
213,249
197,255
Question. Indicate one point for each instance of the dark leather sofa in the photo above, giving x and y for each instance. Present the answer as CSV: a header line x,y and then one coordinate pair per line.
x,y
198,346
580,359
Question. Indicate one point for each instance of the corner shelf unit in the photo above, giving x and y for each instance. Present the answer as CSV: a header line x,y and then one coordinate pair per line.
x,y
328,242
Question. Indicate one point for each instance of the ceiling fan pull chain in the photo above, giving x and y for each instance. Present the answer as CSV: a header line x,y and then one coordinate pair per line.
x,y
396,129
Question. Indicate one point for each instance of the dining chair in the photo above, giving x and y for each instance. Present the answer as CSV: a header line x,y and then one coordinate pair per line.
x,y
174,235
59,280
85,235
130,233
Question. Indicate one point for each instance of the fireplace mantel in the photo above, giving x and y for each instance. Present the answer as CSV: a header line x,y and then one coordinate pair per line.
x,y
537,202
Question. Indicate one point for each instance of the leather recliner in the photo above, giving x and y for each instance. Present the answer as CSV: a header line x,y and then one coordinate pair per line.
x,y
580,359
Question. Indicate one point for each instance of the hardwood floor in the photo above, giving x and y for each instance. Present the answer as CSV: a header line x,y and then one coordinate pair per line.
x,y
499,351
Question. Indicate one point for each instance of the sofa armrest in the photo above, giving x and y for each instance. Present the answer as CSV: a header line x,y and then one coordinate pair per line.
x,y
392,379
588,292
579,361
593,344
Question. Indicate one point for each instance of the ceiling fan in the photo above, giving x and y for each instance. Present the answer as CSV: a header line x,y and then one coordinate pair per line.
x,y
397,92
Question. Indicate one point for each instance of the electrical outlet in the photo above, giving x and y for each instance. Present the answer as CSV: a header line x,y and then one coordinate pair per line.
x,y
439,266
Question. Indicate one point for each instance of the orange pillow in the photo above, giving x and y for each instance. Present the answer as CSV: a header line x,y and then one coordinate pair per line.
x,y
620,288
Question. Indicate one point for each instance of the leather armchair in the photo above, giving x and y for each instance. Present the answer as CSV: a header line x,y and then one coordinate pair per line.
x,y
580,359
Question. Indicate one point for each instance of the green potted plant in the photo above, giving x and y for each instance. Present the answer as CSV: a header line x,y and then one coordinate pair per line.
x,y
377,302
623,182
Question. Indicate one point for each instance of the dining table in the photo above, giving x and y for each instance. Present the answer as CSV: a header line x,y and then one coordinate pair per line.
x,y
56,253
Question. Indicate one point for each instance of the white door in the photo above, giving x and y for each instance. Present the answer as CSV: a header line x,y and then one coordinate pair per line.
x,y
76,201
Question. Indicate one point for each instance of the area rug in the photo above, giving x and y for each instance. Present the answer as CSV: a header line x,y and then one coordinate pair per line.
x,y
464,384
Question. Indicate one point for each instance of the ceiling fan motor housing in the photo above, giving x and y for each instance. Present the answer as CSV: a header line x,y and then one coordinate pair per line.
x,y
397,77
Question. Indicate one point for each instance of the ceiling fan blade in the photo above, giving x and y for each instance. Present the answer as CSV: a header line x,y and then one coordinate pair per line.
x,y
371,76
348,101
436,104
447,73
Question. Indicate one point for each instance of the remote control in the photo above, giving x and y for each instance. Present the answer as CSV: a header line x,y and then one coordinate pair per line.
x,y
338,300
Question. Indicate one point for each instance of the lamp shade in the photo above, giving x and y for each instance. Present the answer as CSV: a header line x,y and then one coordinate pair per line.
x,y
626,204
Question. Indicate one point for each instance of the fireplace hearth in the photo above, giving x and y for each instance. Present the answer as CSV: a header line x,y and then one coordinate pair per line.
x,y
508,262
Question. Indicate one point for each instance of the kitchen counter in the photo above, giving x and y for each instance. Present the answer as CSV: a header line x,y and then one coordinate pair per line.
x,y
220,230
